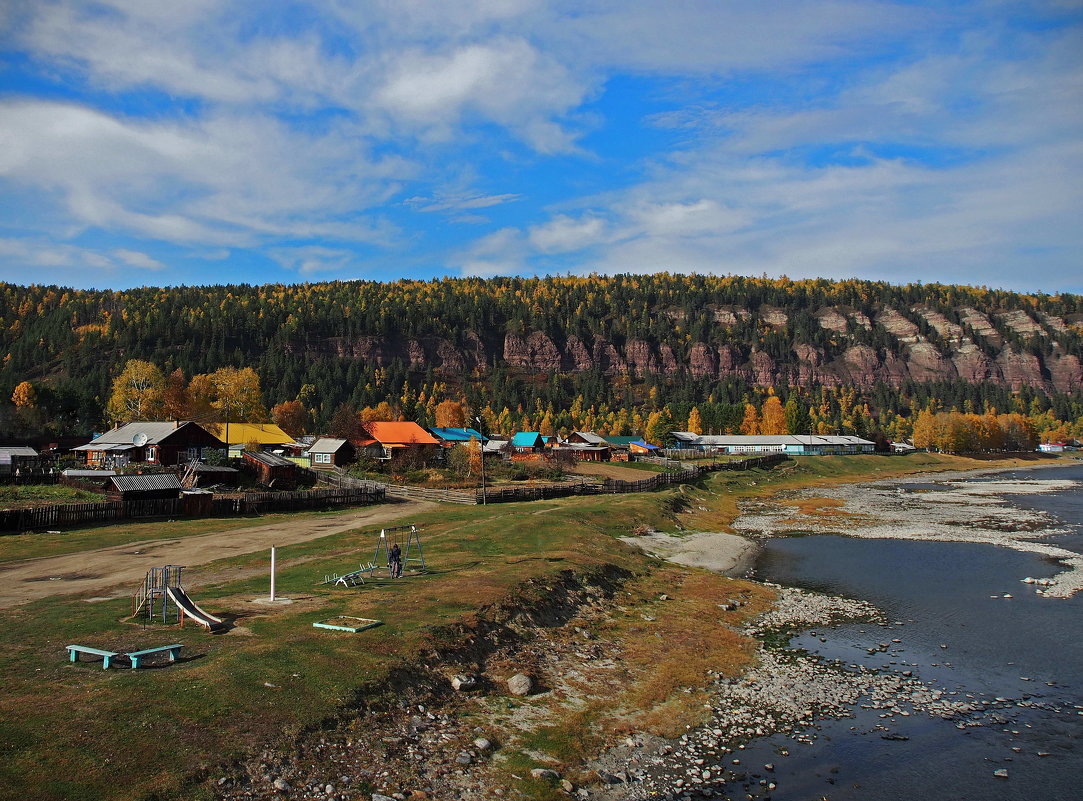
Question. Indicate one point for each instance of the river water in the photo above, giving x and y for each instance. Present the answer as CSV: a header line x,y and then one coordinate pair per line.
x,y
1022,656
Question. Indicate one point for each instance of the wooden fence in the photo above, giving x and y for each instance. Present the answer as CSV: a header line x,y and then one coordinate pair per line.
x,y
34,475
426,494
74,514
608,487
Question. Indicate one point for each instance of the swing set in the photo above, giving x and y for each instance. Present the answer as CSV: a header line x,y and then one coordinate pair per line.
x,y
408,540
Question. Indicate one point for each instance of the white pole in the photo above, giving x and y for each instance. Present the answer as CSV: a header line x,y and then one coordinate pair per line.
x,y
272,572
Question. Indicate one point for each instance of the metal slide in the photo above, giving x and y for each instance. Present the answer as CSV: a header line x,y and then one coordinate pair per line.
x,y
191,609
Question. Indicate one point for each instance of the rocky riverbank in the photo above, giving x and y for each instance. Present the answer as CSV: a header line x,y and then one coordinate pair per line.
x,y
951,510
787,692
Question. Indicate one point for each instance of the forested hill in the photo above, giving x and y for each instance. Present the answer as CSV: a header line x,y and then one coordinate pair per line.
x,y
511,341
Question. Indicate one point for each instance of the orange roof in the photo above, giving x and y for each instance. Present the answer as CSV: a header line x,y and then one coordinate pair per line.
x,y
400,434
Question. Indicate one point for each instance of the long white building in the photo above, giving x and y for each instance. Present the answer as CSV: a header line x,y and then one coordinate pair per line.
x,y
790,444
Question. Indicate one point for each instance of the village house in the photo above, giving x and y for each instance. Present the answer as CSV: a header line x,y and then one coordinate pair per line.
x,y
165,443
528,442
586,446
399,441
457,436
327,453
251,437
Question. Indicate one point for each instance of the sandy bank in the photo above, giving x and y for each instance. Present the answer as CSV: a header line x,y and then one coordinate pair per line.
x,y
729,554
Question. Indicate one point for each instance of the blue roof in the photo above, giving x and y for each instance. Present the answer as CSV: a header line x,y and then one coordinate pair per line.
x,y
525,439
457,434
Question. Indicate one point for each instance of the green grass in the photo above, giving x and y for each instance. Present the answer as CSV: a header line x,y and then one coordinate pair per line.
x,y
76,731
18,496
646,467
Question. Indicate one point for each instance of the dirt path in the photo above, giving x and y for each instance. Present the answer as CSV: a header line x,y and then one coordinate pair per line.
x,y
104,571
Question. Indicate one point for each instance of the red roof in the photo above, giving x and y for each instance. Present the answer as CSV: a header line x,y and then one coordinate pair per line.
x,y
400,434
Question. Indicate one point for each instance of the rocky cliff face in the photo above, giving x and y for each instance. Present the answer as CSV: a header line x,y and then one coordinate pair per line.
x,y
961,350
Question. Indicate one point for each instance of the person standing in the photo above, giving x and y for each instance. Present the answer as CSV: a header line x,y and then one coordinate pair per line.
x,y
394,561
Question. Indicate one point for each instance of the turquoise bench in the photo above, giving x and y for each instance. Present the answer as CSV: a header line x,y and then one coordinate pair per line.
x,y
137,656
75,650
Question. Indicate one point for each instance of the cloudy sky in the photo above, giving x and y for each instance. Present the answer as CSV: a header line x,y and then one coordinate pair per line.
x,y
163,142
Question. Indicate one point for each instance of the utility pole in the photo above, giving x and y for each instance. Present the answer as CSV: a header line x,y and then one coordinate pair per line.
x,y
481,444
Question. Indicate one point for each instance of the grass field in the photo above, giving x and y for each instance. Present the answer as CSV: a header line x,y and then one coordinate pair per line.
x,y
78,732
21,496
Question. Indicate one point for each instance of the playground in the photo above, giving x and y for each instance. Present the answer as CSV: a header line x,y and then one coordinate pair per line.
x,y
110,571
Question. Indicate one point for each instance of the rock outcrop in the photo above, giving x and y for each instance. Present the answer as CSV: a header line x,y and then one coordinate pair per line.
x,y
966,344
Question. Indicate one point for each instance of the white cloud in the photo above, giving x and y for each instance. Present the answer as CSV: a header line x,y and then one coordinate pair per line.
x,y
222,181
134,258
506,80
314,259
502,252
564,234
461,202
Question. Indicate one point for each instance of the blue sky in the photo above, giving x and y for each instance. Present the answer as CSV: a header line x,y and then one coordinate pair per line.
x,y
145,142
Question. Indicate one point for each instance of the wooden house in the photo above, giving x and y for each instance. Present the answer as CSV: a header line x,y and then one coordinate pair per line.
x,y
164,443
251,436
400,441
528,442
457,436
327,453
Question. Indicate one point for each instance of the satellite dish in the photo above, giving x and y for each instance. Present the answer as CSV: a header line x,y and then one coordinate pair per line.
x,y
139,440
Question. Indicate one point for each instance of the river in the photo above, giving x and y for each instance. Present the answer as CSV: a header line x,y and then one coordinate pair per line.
x,y
963,621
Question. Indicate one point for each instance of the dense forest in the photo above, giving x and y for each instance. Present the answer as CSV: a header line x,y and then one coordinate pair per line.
x,y
605,350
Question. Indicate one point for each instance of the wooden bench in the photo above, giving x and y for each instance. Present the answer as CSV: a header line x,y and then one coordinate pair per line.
x,y
136,656
75,650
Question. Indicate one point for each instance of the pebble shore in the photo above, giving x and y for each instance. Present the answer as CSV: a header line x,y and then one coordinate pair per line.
x,y
952,510
787,692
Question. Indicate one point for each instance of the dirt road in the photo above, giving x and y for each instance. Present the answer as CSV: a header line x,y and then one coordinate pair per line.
x,y
115,571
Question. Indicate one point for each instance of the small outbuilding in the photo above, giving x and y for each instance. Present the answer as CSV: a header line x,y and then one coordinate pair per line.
x,y
272,470
144,487
14,458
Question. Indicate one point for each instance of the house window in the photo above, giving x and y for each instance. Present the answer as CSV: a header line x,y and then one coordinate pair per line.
x,y
323,458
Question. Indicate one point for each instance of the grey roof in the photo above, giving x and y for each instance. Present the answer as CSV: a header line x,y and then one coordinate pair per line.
x,y
269,459
17,450
778,439
215,468
73,473
147,481
156,431
684,436
590,438
326,445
